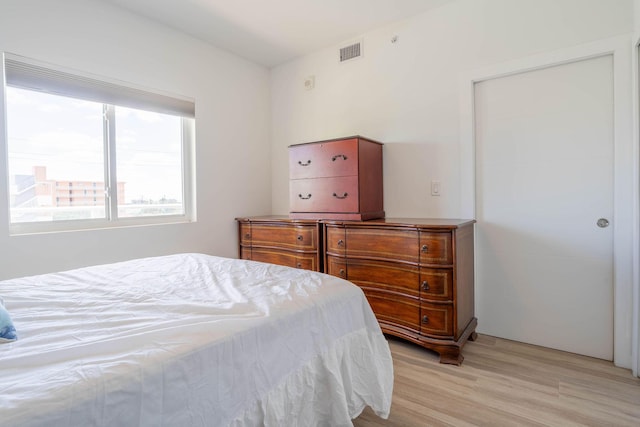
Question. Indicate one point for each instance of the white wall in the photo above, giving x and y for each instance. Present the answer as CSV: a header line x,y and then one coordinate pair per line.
x,y
406,94
232,128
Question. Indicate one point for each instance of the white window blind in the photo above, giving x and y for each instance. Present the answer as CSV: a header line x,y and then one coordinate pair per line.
x,y
24,74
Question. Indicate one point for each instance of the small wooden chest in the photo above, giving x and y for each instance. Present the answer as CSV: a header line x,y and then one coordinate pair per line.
x,y
336,179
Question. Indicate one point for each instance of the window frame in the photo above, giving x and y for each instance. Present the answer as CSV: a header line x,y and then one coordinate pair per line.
x,y
111,219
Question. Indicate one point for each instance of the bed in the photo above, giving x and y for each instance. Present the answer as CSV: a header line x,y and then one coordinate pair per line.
x,y
190,340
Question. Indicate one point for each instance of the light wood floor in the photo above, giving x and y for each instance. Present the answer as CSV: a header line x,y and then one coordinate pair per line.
x,y
506,383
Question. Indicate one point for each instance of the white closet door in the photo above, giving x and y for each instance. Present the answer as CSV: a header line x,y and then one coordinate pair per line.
x,y
544,177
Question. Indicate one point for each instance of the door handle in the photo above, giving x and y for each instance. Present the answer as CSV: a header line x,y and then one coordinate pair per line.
x,y
603,223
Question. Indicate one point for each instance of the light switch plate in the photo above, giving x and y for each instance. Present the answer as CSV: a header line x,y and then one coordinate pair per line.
x,y
435,188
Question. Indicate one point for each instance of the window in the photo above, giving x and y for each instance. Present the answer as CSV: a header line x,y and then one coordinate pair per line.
x,y
67,132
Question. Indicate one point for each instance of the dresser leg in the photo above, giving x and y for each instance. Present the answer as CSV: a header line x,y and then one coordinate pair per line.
x,y
451,356
451,353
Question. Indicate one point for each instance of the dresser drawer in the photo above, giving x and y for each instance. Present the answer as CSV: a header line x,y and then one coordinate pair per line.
x,y
245,233
396,310
280,240
336,266
436,319
245,252
382,243
324,194
286,258
435,248
383,275
335,240
289,236
436,283
324,159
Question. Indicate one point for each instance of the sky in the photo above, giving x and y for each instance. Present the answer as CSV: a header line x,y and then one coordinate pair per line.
x,y
66,135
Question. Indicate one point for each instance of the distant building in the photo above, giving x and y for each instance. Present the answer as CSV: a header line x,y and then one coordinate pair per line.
x,y
38,191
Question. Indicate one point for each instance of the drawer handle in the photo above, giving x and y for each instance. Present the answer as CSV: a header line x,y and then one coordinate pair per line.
x,y
425,248
303,197
337,156
344,196
299,238
425,286
299,265
304,164
340,242
342,272
425,319
247,236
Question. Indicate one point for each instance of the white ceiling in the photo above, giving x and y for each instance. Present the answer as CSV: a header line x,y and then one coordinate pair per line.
x,y
271,32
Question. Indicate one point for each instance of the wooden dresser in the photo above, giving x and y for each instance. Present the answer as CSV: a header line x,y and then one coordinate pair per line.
x,y
416,273
280,240
336,179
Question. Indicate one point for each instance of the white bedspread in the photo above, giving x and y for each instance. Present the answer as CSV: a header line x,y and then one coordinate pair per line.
x,y
190,340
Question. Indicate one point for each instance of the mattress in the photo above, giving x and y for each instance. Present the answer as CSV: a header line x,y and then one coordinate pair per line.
x,y
191,340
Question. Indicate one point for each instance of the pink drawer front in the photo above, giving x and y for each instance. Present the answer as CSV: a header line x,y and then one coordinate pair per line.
x,y
324,159
324,194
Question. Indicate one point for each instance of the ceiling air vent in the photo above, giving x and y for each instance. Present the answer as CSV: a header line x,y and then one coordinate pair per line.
x,y
351,52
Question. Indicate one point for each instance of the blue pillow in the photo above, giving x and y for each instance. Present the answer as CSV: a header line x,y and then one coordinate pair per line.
x,y
7,330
